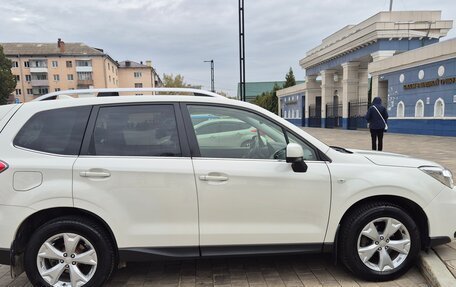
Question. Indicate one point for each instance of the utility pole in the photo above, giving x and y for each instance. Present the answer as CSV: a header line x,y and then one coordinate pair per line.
x,y
212,75
241,51
391,5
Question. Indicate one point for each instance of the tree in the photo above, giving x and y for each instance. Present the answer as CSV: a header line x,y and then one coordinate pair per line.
x,y
289,79
171,81
7,80
268,100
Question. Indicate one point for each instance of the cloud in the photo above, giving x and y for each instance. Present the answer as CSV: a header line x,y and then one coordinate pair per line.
x,y
179,35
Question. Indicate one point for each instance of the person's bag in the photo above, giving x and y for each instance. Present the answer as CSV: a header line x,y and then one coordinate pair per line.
x,y
386,125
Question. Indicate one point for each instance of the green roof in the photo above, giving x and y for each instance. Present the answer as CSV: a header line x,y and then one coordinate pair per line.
x,y
254,89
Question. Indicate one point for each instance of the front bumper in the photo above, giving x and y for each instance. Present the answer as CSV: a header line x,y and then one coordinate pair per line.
x,y
441,214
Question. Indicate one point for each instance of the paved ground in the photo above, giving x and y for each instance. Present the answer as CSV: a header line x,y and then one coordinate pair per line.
x,y
289,270
277,271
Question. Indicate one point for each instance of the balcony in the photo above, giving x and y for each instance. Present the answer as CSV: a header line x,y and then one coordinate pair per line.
x,y
84,69
38,69
38,91
40,83
85,82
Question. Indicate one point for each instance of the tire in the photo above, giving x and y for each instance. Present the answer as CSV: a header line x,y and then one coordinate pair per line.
x,y
90,247
369,221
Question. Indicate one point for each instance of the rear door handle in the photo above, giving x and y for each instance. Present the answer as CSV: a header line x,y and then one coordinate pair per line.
x,y
218,178
95,174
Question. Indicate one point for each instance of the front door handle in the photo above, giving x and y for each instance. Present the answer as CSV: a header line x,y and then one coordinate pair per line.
x,y
218,178
95,174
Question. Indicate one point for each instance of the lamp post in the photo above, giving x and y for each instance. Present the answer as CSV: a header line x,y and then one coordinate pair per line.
x,y
241,51
212,74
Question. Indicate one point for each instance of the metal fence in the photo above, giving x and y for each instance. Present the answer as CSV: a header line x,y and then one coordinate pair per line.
x,y
314,116
356,114
333,115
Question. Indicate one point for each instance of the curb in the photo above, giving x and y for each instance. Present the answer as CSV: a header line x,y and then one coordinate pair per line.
x,y
435,271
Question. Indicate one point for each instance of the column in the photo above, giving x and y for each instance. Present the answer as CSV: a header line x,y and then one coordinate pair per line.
x,y
380,55
374,80
327,92
363,84
312,90
378,88
279,106
349,88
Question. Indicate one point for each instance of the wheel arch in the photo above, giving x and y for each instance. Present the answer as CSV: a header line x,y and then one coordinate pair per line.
x,y
409,206
37,219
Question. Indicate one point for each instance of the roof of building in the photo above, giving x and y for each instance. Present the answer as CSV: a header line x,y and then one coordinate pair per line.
x,y
383,25
425,55
254,89
44,49
132,64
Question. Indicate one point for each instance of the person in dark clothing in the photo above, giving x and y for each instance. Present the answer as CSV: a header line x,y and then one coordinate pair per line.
x,y
377,117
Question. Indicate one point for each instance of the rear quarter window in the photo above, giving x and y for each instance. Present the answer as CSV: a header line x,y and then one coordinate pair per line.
x,y
58,131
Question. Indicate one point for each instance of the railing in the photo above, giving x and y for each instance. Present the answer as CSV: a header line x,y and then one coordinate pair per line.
x,y
118,91
333,115
85,82
356,114
39,83
314,116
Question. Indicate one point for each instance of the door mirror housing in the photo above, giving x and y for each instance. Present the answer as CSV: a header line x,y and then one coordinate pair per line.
x,y
295,156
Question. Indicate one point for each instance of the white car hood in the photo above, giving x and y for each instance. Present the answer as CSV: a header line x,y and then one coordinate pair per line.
x,y
393,159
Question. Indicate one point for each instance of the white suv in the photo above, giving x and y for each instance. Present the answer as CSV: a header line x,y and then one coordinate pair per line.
x,y
90,183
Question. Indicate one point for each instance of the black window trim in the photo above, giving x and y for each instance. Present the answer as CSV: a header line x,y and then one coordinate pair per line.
x,y
185,150
193,143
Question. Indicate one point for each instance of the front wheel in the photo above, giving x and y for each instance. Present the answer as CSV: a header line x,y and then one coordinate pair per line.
x,y
379,241
69,252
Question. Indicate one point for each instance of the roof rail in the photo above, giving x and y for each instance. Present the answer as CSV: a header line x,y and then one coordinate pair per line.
x,y
195,92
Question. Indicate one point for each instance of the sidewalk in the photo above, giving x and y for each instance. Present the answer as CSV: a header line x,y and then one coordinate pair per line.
x,y
438,149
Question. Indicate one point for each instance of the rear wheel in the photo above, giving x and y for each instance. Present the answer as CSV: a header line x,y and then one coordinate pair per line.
x,y
379,241
69,252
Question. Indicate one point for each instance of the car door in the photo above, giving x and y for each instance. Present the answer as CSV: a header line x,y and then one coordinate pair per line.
x,y
135,172
249,195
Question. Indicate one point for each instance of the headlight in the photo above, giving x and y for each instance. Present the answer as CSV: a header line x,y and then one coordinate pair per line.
x,y
441,174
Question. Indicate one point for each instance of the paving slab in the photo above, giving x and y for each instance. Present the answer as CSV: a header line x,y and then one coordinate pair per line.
x,y
262,271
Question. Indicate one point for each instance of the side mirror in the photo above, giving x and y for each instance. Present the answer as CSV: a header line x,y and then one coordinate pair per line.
x,y
295,156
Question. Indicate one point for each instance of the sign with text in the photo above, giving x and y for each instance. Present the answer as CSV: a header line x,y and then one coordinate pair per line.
x,y
428,84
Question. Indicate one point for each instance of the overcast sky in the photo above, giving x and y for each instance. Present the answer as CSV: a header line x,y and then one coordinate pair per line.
x,y
178,35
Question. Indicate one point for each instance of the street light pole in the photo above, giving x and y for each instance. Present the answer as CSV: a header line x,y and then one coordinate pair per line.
x,y
212,75
391,5
241,51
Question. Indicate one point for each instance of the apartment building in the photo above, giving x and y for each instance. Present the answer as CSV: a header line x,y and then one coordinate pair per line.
x,y
138,75
42,68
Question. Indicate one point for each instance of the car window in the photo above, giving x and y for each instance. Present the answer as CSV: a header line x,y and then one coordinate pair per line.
x,y
58,131
309,153
146,130
239,134
207,128
220,125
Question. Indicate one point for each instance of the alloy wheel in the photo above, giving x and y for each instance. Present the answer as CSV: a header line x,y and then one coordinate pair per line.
x,y
384,244
67,259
